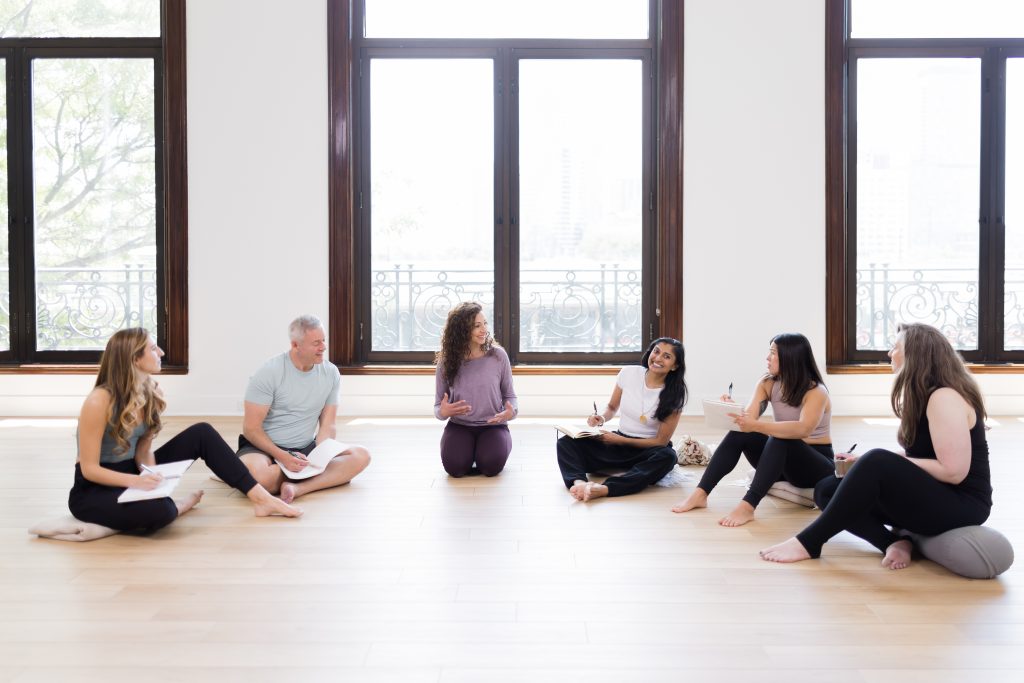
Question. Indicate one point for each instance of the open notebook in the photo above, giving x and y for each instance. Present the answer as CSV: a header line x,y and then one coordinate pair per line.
x,y
318,459
716,414
172,472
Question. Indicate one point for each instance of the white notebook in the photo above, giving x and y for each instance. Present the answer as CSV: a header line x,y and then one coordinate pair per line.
x,y
318,459
172,472
716,414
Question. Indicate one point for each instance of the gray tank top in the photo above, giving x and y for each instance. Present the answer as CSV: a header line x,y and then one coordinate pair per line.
x,y
108,446
783,412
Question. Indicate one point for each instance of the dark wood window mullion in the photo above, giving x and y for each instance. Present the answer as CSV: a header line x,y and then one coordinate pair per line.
x,y
362,209
988,306
23,260
506,169
15,203
851,216
650,242
996,78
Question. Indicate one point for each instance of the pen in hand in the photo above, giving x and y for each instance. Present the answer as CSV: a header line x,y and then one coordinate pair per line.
x,y
150,470
595,408
730,391
849,451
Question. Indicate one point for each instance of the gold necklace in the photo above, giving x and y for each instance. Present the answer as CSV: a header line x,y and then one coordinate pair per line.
x,y
643,400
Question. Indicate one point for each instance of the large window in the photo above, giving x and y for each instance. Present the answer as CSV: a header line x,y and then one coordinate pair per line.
x,y
503,156
92,183
925,159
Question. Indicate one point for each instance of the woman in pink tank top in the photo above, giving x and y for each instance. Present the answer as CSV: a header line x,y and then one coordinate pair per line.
x,y
795,447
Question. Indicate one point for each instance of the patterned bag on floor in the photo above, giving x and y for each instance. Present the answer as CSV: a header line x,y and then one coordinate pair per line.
x,y
693,452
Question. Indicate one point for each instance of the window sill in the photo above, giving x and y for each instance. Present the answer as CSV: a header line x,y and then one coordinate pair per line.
x,y
383,369
73,369
886,369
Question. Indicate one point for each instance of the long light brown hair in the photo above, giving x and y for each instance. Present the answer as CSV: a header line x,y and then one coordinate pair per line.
x,y
456,338
131,397
929,363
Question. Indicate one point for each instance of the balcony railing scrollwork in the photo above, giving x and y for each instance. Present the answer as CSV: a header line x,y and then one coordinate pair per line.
x,y
78,309
946,298
582,310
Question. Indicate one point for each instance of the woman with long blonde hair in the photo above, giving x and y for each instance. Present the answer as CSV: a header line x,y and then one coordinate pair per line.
x,y
116,428
941,482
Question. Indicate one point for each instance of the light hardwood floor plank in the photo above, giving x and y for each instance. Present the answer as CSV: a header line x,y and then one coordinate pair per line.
x,y
408,575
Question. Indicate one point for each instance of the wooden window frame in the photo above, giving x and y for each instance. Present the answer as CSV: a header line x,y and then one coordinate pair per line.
x,y
347,261
168,52
840,176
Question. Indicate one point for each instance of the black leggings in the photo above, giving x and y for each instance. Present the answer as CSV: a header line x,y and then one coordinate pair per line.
x,y
96,503
792,460
645,466
883,488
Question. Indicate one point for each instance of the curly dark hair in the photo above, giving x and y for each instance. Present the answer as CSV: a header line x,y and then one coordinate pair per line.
x,y
673,395
456,337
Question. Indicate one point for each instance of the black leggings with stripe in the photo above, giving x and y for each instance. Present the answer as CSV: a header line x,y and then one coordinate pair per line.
x,y
96,503
774,459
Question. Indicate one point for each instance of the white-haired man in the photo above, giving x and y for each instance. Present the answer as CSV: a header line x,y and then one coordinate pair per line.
x,y
290,407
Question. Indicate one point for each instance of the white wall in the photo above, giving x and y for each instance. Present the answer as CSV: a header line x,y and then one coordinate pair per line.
x,y
754,211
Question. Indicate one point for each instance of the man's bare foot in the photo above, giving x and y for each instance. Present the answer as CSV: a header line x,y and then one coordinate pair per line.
x,y
697,499
740,515
788,551
592,491
576,491
189,502
897,555
287,492
266,505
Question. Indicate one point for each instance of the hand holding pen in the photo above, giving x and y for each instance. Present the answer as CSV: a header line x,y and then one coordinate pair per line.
x,y
727,397
595,420
149,479
844,461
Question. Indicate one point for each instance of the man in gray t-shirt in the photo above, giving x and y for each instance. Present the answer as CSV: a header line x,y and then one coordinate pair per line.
x,y
290,406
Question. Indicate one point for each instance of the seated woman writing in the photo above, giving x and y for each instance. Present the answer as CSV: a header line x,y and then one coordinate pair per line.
x,y
649,399
942,482
118,422
796,447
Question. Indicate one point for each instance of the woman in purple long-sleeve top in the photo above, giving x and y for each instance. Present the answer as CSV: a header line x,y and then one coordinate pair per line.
x,y
475,394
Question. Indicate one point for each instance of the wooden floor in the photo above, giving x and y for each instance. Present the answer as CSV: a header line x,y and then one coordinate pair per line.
x,y
408,575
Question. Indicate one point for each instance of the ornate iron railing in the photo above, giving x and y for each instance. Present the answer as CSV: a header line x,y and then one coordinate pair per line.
x,y
946,298
583,310
560,310
78,309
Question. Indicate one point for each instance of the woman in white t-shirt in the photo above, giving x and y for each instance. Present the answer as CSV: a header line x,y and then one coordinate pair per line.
x,y
648,399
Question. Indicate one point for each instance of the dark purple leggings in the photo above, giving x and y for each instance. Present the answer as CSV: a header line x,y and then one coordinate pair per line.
x,y
487,446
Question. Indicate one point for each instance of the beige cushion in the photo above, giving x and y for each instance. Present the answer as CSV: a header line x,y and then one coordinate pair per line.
x,y
794,494
67,528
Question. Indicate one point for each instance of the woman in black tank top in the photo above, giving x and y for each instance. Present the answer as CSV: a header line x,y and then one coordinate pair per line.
x,y
942,481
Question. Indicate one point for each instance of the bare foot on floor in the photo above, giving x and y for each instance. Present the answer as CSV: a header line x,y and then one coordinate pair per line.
x,y
897,555
697,499
592,491
266,505
577,489
787,551
740,515
189,502
287,492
